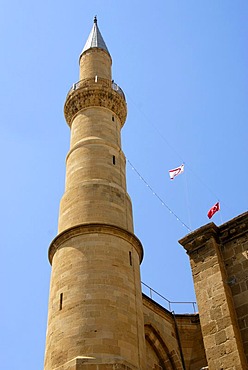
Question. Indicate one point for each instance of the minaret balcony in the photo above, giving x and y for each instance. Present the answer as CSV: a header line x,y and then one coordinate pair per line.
x,y
103,81
95,91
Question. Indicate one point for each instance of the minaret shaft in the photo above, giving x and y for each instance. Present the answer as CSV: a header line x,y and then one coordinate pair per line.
x,y
95,305
95,176
95,62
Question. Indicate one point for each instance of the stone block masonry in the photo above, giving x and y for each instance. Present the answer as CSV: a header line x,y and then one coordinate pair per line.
x,y
219,267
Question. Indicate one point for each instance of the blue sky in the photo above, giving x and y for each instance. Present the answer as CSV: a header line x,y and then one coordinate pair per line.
x,y
183,68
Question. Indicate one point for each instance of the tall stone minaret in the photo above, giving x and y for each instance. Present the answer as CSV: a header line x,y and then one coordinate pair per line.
x,y
95,317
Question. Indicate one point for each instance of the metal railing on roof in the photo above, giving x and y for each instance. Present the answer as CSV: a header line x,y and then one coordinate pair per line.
x,y
98,80
172,306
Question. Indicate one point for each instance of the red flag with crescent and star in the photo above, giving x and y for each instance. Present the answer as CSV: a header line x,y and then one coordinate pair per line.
x,y
214,209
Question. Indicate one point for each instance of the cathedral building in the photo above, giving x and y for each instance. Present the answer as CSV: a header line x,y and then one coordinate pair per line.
x,y
98,318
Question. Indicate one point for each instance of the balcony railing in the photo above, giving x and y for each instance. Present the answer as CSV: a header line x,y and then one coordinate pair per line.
x,y
98,80
177,307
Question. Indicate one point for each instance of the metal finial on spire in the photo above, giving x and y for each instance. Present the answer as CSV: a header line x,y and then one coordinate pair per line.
x,y
95,19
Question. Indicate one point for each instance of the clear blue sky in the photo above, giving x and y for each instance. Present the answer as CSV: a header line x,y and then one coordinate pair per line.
x,y
183,66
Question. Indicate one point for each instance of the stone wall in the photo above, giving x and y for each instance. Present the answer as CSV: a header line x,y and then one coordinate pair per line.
x,y
172,341
218,258
234,241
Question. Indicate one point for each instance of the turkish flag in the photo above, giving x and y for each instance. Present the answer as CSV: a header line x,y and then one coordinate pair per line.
x,y
213,210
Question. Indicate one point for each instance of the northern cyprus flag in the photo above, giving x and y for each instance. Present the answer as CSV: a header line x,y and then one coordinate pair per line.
x,y
176,171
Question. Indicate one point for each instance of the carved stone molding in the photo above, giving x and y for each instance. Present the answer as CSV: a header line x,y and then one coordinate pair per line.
x,y
94,228
198,238
94,95
234,229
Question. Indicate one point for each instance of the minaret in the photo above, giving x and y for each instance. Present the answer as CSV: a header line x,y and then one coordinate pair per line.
x,y
95,316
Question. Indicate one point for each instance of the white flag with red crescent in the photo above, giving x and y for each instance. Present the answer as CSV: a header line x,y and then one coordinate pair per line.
x,y
176,171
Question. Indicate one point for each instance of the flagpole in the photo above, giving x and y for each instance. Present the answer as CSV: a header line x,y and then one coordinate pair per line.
x,y
187,197
220,214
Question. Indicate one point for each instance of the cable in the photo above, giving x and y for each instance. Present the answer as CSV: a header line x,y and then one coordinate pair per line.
x,y
177,153
158,197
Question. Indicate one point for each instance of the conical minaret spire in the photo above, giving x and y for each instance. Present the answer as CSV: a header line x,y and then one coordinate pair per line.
x,y
95,316
95,39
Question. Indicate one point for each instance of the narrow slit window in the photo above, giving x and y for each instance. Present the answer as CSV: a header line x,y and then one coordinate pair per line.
x,y
113,118
60,301
113,159
130,259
